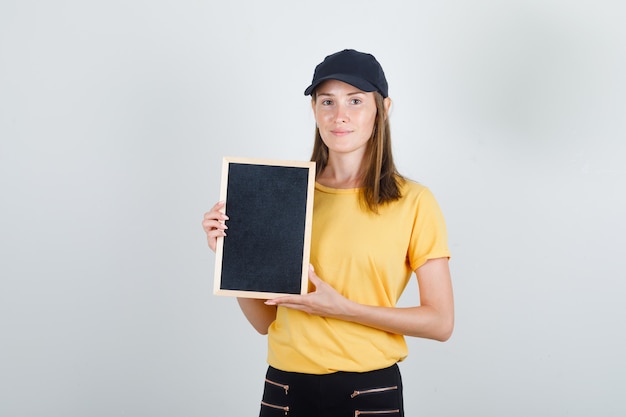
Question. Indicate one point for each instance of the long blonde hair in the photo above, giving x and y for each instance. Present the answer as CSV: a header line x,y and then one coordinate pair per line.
x,y
381,180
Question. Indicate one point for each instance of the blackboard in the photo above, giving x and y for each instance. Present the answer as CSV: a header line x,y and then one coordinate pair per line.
x,y
266,251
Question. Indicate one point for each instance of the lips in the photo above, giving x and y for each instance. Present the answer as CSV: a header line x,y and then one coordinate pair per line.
x,y
340,132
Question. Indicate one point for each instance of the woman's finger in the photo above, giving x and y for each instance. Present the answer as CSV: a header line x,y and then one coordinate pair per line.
x,y
213,224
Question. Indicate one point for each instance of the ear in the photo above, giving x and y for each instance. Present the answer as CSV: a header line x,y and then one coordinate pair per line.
x,y
387,104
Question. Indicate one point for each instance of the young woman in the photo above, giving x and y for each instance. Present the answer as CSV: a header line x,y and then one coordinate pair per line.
x,y
334,351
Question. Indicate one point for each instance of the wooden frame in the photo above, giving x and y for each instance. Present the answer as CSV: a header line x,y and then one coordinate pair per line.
x,y
270,207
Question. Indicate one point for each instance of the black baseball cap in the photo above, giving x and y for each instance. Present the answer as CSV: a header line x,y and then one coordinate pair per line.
x,y
358,69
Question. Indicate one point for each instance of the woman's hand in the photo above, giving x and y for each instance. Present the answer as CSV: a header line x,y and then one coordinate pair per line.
x,y
213,224
324,301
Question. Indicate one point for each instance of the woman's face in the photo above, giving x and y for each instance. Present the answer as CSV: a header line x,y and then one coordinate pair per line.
x,y
345,116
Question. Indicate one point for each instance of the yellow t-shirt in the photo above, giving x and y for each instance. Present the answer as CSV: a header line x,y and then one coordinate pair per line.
x,y
368,258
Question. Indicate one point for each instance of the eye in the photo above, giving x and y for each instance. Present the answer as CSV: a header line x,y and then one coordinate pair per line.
x,y
326,102
355,101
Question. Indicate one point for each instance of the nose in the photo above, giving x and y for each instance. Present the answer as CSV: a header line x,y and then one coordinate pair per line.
x,y
341,114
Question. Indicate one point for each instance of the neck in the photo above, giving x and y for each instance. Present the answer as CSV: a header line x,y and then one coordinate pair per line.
x,y
342,172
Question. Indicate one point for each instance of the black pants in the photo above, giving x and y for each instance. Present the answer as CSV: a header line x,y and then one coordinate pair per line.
x,y
341,394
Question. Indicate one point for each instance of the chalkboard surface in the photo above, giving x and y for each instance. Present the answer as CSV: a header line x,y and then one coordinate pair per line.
x,y
266,251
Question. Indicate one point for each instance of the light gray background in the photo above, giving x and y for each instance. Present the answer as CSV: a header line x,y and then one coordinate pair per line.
x,y
114,117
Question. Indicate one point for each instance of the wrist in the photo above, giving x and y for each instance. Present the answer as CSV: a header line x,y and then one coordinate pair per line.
x,y
351,310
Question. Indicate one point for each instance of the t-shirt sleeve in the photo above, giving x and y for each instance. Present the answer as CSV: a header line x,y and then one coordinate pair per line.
x,y
429,238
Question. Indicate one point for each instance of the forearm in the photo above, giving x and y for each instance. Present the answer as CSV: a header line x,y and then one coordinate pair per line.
x,y
432,319
258,313
421,321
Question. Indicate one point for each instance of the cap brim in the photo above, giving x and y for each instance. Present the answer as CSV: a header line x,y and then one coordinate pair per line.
x,y
357,82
